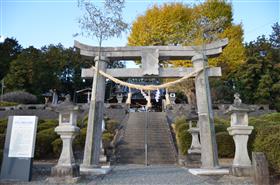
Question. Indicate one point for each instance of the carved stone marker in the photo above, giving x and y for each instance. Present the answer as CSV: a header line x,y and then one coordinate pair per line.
x,y
19,148
260,169
240,131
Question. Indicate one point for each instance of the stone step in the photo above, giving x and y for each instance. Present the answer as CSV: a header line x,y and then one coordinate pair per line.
x,y
160,149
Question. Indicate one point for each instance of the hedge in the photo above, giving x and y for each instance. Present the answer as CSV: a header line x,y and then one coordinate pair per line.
x,y
20,97
3,126
44,141
46,124
182,136
7,104
225,145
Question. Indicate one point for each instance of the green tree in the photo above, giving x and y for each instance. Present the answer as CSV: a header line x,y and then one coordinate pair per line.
x,y
258,79
22,73
9,50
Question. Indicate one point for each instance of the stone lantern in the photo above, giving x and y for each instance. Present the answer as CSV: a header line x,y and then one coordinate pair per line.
x,y
194,152
67,169
119,94
172,97
240,131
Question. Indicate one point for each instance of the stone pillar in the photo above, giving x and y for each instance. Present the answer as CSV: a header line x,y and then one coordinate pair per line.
x,y
66,169
209,153
240,131
95,117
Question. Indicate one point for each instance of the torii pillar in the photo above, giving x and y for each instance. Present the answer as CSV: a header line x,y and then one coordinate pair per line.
x,y
209,153
95,117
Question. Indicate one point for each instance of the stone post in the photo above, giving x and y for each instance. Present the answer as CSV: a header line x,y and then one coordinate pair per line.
x,y
240,131
209,153
95,117
66,169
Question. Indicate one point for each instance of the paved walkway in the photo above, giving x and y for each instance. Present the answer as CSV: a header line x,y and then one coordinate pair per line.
x,y
163,175
141,175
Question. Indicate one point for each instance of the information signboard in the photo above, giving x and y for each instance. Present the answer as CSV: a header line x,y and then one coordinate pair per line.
x,y
19,148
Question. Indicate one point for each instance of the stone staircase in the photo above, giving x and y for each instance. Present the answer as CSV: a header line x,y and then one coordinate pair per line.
x,y
161,149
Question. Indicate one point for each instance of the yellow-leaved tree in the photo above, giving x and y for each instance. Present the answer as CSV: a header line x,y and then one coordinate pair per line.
x,y
177,24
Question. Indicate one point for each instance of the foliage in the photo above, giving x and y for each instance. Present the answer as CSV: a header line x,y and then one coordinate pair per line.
x,y
7,104
258,79
182,136
20,97
46,124
102,23
3,126
179,24
44,141
225,144
111,125
10,48
56,147
52,67
268,141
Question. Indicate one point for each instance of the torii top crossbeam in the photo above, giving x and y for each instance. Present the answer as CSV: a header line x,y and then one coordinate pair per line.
x,y
162,52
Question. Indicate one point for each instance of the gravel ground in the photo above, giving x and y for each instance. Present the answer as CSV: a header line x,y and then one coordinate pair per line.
x,y
139,175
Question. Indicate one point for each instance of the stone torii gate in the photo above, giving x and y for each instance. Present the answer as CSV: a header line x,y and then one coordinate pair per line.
x,y
150,57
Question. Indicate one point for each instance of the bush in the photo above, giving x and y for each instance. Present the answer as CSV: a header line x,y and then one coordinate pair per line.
x,y
225,145
182,136
111,125
267,140
44,141
20,97
46,124
3,126
7,104
57,147
2,141
220,128
80,139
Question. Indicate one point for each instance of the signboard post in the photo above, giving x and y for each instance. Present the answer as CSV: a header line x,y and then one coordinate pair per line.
x,y
19,148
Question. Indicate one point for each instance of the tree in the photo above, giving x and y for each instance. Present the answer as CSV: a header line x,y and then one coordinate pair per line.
x,y
179,24
258,79
102,23
9,50
275,36
22,73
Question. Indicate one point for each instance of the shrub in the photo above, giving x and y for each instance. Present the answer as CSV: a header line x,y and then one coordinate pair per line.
x,y
267,140
3,126
2,141
20,97
220,128
182,136
7,104
46,124
111,125
44,141
80,139
107,136
225,145
57,147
